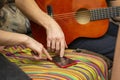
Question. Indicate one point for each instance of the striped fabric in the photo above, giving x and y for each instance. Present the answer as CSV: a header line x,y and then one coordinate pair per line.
x,y
88,67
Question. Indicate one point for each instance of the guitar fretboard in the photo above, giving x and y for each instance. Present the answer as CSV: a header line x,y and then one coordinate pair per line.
x,y
104,13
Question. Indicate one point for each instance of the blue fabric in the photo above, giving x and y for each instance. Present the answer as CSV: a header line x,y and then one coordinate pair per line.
x,y
104,45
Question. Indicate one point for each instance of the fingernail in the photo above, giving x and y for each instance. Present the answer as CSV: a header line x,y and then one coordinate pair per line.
x,y
61,55
50,58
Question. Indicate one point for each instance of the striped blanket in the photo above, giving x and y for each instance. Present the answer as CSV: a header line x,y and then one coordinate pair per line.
x,y
88,67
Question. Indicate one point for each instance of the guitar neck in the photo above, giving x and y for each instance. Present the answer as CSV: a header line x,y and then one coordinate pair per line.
x,y
104,13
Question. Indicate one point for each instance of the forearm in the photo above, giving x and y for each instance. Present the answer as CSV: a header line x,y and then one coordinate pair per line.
x,y
9,38
116,63
115,3
37,16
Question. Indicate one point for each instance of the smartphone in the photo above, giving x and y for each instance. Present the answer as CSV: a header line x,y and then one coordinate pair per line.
x,y
63,62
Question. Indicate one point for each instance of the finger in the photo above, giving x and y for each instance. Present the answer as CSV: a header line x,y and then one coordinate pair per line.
x,y
37,54
34,53
35,57
40,56
53,46
48,44
66,45
62,48
57,50
47,54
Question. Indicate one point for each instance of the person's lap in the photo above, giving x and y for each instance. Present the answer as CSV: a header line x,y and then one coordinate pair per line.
x,y
104,45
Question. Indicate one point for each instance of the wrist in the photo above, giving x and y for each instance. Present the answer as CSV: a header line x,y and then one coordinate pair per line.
x,y
114,3
24,40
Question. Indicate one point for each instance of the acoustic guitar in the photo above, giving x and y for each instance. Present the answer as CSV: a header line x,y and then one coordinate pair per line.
x,y
77,18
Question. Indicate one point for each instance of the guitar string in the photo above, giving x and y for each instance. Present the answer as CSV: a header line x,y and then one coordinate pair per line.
x,y
65,15
110,8
71,14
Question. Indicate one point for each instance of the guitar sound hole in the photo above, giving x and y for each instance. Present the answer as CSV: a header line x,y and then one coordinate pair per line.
x,y
82,16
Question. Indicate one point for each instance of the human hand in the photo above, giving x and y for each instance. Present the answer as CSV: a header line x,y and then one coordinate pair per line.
x,y
37,48
55,39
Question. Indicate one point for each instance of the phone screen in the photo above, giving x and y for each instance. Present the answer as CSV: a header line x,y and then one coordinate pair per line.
x,y
63,61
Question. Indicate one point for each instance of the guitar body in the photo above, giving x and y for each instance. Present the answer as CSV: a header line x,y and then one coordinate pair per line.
x,y
70,26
